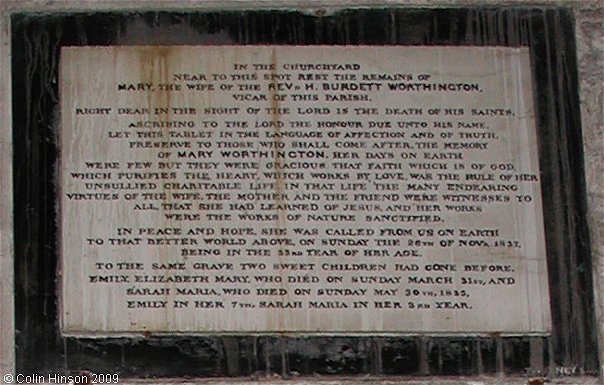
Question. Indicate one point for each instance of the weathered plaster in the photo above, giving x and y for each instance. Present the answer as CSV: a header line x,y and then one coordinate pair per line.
x,y
590,42
7,357
590,47
310,5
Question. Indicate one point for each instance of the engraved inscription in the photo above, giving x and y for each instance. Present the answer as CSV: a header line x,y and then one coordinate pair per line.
x,y
300,189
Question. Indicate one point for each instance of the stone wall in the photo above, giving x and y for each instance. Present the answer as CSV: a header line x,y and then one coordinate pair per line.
x,y
590,43
590,51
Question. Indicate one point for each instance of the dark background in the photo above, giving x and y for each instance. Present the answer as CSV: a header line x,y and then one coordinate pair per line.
x,y
547,31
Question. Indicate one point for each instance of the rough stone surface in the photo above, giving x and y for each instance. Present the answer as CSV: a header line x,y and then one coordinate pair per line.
x,y
365,380
402,380
6,223
590,47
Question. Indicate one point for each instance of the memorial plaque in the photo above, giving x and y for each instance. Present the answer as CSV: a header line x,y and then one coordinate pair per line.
x,y
300,189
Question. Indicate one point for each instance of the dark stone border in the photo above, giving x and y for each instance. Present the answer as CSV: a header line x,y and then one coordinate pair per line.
x,y
549,32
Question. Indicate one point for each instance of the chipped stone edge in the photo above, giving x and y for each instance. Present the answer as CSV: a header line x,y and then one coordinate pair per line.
x,y
591,97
